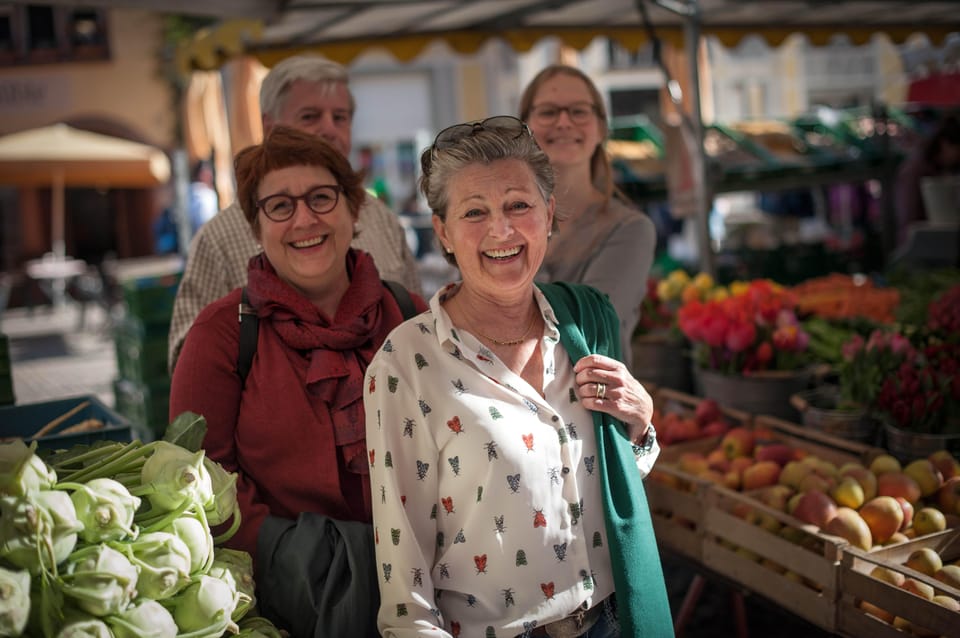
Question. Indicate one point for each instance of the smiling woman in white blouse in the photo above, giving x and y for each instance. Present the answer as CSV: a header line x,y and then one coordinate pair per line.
x,y
506,439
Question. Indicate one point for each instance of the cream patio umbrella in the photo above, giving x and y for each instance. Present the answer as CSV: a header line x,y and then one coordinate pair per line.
x,y
60,155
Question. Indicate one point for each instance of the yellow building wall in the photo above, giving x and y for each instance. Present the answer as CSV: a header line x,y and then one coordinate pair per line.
x,y
128,89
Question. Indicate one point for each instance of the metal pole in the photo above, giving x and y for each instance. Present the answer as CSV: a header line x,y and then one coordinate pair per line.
x,y
702,196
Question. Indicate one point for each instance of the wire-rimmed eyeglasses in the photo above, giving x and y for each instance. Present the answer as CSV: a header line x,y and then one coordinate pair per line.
x,y
280,207
578,112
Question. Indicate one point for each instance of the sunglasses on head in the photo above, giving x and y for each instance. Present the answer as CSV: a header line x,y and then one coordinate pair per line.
x,y
452,135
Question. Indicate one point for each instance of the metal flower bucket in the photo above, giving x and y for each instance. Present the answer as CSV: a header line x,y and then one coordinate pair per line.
x,y
818,411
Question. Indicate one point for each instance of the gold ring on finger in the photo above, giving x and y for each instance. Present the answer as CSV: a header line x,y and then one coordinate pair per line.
x,y
601,391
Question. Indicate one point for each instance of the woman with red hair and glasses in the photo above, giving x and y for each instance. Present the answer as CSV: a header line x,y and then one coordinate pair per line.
x,y
507,440
292,427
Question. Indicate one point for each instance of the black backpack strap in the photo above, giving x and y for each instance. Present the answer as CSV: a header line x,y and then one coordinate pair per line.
x,y
402,295
249,325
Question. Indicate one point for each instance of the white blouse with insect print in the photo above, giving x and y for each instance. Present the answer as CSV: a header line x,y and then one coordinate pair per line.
x,y
486,496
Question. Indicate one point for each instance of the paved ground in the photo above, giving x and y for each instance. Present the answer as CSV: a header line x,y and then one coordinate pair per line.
x,y
54,357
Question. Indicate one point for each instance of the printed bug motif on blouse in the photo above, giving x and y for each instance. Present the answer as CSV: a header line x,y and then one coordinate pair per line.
x,y
441,540
454,335
498,524
481,563
554,475
528,441
454,465
388,459
479,493
395,535
572,396
458,386
388,346
521,557
572,431
424,408
444,570
562,435
392,383
586,580
408,424
588,463
597,539
401,610
454,628
456,351
484,358
447,502
433,512
424,329
533,407
576,511
471,600
490,632
539,520
459,538
372,454
422,469
372,386
376,535
513,480
387,569
491,448
561,551
508,598
420,361
548,589
383,494
495,413
455,426
417,576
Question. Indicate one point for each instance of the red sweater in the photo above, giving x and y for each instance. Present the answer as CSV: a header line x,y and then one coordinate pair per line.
x,y
275,432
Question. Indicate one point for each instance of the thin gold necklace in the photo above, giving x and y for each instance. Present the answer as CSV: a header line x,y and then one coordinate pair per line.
x,y
512,342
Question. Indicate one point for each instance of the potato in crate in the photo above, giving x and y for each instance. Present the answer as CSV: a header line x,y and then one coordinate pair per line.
x,y
907,589
63,423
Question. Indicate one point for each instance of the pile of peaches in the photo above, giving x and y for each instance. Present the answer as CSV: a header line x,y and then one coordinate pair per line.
x,y
868,506
679,425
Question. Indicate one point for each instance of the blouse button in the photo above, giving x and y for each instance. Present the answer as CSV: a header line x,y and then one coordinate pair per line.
x,y
554,418
566,470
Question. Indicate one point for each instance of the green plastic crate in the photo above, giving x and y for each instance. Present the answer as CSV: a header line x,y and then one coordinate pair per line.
x,y
141,351
24,420
144,404
150,299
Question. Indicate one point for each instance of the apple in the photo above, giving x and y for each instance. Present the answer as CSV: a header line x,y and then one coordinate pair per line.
x,y
929,520
897,537
692,462
816,481
740,464
927,476
866,478
883,463
848,524
919,588
761,474
737,441
883,516
715,428
944,461
898,484
780,453
815,507
848,493
950,575
925,560
948,496
774,496
793,472
908,510
717,460
707,410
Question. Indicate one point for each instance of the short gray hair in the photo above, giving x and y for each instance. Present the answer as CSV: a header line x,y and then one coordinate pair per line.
x,y
483,146
309,68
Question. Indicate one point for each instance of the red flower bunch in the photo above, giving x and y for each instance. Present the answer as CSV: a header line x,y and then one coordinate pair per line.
x,y
943,313
868,363
752,330
923,395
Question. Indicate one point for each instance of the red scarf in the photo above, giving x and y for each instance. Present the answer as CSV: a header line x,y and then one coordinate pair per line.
x,y
338,351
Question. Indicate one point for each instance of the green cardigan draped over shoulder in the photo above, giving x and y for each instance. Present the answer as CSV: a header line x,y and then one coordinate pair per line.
x,y
588,324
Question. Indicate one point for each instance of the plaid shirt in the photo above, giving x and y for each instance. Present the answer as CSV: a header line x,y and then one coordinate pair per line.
x,y
220,251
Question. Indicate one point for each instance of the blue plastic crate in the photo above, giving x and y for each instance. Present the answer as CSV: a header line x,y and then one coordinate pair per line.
x,y
24,420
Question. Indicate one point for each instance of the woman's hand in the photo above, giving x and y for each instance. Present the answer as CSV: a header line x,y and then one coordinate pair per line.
x,y
605,385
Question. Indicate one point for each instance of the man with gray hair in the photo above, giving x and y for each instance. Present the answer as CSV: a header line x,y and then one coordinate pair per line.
x,y
309,93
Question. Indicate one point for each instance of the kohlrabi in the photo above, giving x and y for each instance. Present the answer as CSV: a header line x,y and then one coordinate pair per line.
x,y
99,580
164,563
106,509
38,530
22,471
14,601
148,619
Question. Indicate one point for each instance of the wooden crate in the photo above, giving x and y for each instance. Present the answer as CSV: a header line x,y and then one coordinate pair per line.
x,y
674,400
857,584
797,566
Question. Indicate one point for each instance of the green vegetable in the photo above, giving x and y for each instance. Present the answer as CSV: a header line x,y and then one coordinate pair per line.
x,y
148,619
164,563
206,607
173,478
106,509
38,530
99,580
196,536
14,601
22,471
78,625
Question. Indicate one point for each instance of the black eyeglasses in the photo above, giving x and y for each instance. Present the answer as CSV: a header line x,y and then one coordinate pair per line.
x,y
578,112
320,199
452,134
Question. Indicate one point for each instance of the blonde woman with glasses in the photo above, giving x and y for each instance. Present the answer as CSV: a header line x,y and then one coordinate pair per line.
x,y
604,241
507,441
